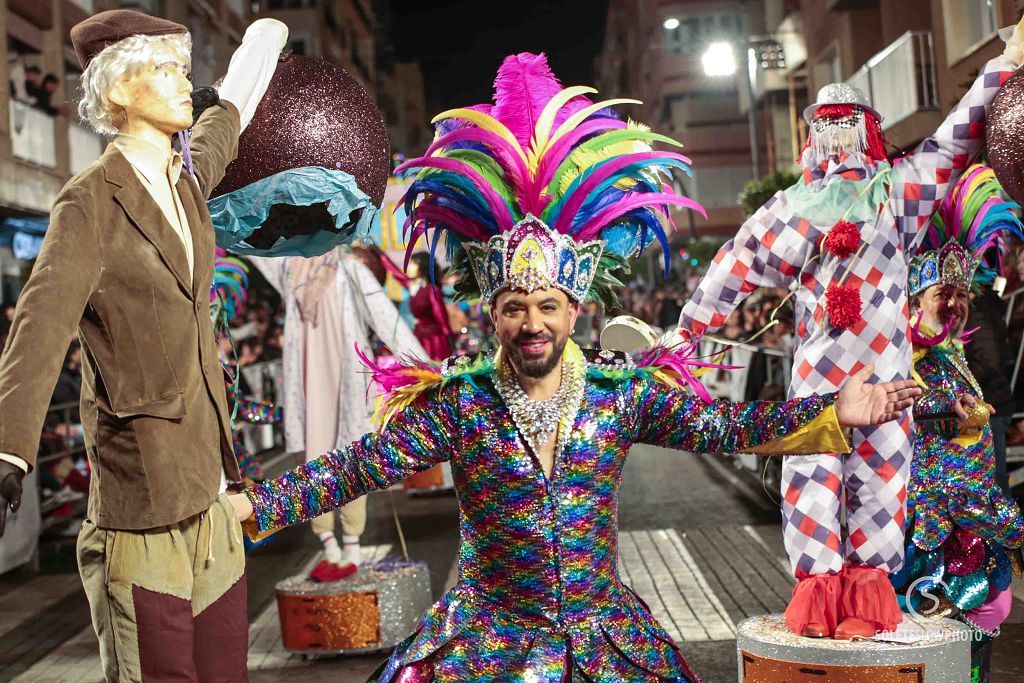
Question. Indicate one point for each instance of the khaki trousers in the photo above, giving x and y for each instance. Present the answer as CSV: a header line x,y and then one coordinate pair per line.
x,y
169,604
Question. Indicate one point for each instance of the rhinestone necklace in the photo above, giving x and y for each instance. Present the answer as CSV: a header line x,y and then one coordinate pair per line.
x,y
537,420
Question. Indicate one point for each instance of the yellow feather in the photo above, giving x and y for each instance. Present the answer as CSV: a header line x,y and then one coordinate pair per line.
x,y
488,123
551,109
583,114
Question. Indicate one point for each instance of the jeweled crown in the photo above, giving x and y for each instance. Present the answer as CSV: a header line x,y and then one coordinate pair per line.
x,y
950,265
532,256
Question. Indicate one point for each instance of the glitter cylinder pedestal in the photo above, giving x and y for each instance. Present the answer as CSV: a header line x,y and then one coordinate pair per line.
x,y
374,609
769,653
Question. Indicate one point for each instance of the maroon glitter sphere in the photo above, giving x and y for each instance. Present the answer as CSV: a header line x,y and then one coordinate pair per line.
x,y
1005,131
313,114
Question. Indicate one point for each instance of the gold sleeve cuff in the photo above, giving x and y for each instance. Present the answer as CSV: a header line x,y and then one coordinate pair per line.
x,y
821,435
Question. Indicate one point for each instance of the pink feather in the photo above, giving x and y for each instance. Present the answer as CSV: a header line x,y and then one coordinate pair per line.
x,y
593,227
681,360
393,374
495,201
523,87
509,159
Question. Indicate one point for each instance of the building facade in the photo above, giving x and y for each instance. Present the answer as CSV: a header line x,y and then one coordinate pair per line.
x,y
340,31
654,51
43,143
914,59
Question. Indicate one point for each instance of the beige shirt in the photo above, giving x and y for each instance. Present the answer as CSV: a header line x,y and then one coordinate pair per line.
x,y
159,174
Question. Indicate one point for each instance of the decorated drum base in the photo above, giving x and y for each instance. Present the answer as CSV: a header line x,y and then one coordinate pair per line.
x,y
374,609
769,653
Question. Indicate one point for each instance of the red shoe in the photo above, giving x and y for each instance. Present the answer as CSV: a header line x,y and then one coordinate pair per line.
x,y
852,628
325,572
815,630
814,608
869,597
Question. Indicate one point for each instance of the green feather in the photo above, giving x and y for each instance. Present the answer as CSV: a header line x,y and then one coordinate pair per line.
x,y
608,139
491,171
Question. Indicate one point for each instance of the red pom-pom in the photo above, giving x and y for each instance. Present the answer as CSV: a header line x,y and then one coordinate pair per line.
x,y
843,305
842,240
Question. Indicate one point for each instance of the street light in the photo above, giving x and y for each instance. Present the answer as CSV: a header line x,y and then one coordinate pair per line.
x,y
719,60
671,24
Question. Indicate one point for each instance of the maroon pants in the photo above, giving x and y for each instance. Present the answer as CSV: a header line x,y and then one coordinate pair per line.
x,y
174,646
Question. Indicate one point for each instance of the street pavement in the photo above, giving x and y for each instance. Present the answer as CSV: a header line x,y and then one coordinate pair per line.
x,y
699,541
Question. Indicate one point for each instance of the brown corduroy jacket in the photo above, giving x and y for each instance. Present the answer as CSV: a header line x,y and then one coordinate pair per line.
x,y
154,413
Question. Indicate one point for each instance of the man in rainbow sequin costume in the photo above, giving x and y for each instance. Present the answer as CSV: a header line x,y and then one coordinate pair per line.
x,y
964,535
840,240
541,195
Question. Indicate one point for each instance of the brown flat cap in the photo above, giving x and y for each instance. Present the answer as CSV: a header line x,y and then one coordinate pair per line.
x,y
99,31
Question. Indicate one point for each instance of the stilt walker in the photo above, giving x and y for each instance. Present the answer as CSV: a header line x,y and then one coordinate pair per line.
x,y
840,240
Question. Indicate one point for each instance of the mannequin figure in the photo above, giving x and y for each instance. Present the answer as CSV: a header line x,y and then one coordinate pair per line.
x,y
128,262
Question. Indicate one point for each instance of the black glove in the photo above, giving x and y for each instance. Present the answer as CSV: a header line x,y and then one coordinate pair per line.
x,y
203,98
10,490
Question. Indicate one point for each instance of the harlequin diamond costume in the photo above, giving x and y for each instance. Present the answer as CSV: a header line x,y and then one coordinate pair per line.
x,y
840,240
227,294
964,534
543,189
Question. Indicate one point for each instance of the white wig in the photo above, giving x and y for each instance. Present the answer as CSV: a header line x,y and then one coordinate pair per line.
x,y
124,58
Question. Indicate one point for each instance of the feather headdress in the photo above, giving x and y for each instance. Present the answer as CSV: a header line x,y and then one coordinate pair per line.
x,y
544,188
974,218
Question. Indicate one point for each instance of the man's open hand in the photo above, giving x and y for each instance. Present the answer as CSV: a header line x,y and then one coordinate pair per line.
x,y
861,403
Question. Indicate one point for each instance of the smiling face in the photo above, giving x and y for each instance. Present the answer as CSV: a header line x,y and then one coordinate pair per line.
x,y
158,96
941,304
534,328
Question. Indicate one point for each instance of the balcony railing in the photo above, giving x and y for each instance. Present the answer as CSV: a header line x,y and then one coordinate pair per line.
x,y
84,147
900,80
32,135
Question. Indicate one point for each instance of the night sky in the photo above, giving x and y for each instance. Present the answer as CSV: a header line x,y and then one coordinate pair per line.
x,y
460,44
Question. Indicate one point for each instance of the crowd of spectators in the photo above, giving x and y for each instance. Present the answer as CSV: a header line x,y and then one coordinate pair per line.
x,y
28,84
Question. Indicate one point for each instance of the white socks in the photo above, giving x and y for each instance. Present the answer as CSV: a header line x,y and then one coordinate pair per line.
x,y
351,552
332,551
335,554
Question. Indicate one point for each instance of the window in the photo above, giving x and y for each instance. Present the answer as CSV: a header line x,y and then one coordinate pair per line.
x,y
968,24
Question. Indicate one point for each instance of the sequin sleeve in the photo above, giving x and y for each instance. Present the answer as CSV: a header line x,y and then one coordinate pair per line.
x,y
676,419
939,397
417,438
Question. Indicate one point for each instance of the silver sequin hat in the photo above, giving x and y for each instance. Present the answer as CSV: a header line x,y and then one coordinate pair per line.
x,y
839,93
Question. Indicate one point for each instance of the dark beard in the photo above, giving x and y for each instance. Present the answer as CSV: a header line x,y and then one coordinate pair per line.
x,y
539,367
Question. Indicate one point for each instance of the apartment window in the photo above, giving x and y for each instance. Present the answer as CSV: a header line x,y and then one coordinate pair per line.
x,y
968,24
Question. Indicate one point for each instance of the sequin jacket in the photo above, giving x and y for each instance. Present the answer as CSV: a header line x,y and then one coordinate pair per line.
x,y
952,479
538,579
